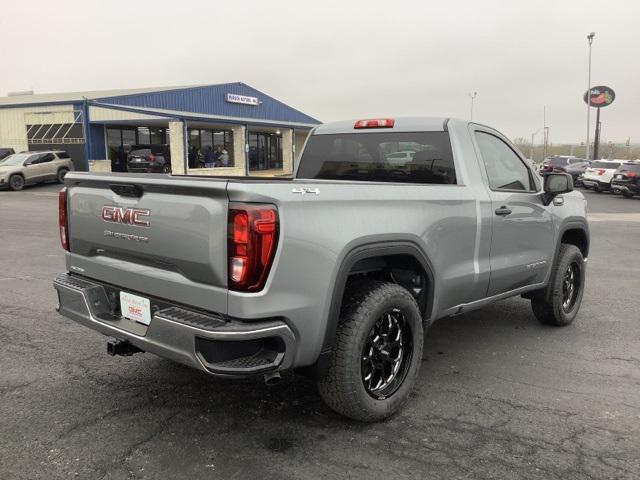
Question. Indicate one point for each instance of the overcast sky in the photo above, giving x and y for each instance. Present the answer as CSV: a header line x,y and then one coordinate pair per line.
x,y
344,59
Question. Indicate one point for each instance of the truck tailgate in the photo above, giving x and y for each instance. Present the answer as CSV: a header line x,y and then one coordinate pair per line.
x,y
151,234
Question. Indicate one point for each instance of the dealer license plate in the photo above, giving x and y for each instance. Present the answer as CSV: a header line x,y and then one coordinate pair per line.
x,y
135,308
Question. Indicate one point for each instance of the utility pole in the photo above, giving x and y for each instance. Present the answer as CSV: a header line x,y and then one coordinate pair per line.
x,y
531,153
628,148
533,135
546,131
472,97
590,39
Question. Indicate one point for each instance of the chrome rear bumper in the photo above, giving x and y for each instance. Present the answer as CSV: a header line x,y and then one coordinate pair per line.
x,y
204,341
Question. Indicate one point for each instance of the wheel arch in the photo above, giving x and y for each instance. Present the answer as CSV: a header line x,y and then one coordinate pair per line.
x,y
574,233
366,256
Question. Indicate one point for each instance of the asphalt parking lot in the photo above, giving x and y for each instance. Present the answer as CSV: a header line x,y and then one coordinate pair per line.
x,y
498,396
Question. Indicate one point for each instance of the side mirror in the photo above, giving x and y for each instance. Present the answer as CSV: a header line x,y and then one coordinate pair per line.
x,y
556,184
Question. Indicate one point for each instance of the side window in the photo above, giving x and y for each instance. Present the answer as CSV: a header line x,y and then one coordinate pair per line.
x,y
35,159
63,155
505,170
47,158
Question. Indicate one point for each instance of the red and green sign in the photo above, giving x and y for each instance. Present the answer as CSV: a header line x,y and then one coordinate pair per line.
x,y
600,96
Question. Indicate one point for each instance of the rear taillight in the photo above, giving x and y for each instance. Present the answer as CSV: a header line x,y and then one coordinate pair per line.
x,y
62,218
252,242
375,123
631,174
601,171
151,158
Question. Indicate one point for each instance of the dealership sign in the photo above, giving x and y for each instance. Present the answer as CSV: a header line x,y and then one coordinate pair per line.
x,y
600,96
244,100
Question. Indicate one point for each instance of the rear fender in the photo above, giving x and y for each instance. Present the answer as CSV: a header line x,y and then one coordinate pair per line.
x,y
370,251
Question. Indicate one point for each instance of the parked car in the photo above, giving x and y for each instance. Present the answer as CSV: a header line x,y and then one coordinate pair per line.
x,y
336,272
576,170
599,174
560,164
25,168
626,180
5,152
400,158
149,159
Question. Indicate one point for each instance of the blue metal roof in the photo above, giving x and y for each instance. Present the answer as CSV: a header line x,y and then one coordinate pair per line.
x,y
212,100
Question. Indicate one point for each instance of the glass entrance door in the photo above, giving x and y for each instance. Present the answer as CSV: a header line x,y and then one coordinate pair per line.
x,y
265,151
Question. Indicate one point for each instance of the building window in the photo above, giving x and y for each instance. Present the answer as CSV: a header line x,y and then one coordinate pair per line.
x,y
157,136
210,147
128,137
144,136
265,151
119,142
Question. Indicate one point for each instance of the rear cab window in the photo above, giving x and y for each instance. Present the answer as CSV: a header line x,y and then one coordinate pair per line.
x,y
405,157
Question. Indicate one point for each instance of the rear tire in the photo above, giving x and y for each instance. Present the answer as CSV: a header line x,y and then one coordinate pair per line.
x,y
377,353
559,303
16,182
597,188
627,194
61,174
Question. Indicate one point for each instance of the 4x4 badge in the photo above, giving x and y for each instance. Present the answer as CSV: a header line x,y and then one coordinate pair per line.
x,y
304,191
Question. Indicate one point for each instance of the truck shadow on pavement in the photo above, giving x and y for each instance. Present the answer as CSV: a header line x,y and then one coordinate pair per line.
x,y
155,418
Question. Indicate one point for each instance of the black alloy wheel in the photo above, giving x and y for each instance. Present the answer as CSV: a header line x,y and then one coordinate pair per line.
x,y
386,354
570,286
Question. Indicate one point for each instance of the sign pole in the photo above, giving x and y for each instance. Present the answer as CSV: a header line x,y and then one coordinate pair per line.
x,y
596,140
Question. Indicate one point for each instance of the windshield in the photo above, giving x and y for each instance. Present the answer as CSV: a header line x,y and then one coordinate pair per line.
x,y
16,159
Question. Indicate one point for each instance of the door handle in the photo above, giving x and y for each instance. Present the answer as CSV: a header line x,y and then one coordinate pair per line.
x,y
503,210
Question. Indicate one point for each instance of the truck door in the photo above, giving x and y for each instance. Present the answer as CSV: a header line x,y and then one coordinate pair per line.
x,y
522,242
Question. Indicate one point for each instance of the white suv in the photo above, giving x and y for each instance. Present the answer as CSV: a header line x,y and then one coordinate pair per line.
x,y
600,173
20,169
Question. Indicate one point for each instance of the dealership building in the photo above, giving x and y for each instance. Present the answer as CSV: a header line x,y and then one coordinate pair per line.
x,y
260,134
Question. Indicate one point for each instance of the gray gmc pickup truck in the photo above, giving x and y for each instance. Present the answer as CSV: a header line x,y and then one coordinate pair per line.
x,y
387,225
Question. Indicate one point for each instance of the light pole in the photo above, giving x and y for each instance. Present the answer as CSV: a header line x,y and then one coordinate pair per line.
x,y
532,139
590,39
472,97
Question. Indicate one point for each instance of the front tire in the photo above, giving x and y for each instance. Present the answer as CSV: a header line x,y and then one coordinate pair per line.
x,y
627,194
61,174
559,303
16,182
377,353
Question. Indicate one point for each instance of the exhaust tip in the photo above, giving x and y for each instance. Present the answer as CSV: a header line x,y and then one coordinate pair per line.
x,y
272,378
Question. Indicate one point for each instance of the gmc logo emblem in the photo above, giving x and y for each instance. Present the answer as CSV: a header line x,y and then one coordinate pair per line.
x,y
129,216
